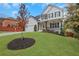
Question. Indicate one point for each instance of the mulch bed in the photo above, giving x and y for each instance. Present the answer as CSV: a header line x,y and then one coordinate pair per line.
x,y
20,43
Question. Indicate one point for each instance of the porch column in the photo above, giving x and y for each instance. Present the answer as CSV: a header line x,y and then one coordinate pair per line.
x,y
38,25
60,27
46,25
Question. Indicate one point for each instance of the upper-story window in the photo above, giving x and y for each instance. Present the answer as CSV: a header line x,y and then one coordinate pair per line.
x,y
55,14
58,13
46,16
51,15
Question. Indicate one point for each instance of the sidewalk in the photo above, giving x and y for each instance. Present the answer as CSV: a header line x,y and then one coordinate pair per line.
x,y
9,33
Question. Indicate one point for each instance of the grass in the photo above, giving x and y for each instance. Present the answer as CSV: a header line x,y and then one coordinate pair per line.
x,y
47,44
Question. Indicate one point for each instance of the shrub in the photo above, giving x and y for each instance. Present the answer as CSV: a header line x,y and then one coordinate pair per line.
x,y
69,32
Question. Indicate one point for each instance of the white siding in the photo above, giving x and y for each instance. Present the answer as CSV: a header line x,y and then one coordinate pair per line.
x,y
50,10
30,26
55,19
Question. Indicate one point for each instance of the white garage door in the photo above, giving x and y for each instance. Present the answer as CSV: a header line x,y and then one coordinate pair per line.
x,y
29,28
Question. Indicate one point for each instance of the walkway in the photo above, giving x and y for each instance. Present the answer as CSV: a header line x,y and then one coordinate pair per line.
x,y
8,33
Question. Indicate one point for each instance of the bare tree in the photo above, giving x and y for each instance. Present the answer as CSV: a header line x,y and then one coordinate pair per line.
x,y
23,15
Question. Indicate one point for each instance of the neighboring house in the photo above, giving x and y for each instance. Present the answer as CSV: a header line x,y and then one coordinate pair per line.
x,y
52,18
32,23
11,24
5,22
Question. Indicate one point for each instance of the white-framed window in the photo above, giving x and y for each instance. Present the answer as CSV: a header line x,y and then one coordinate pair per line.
x,y
57,25
57,14
54,25
46,16
51,25
51,15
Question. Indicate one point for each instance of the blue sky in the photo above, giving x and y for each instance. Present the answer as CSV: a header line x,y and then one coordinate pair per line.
x,y
11,9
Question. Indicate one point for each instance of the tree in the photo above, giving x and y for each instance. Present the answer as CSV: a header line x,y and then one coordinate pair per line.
x,y
23,14
73,17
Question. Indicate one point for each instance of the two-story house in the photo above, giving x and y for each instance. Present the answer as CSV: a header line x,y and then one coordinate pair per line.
x,y
52,18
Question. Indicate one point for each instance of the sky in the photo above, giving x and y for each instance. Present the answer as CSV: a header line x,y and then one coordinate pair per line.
x,y
11,9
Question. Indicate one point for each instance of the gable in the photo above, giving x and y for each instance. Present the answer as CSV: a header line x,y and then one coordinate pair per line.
x,y
51,9
32,21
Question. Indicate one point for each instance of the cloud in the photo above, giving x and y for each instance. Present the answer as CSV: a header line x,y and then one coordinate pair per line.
x,y
33,4
3,15
6,5
9,5
15,4
61,5
43,5
14,13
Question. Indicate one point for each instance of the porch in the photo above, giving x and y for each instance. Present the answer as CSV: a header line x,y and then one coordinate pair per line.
x,y
51,25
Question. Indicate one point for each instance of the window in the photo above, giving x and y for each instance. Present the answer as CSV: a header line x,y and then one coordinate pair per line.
x,y
59,13
45,16
51,15
57,25
54,25
51,25
55,14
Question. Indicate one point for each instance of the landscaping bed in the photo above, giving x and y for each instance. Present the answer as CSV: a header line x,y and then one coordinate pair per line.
x,y
20,43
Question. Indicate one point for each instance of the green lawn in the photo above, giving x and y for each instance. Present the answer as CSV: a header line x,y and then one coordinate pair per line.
x,y
47,44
